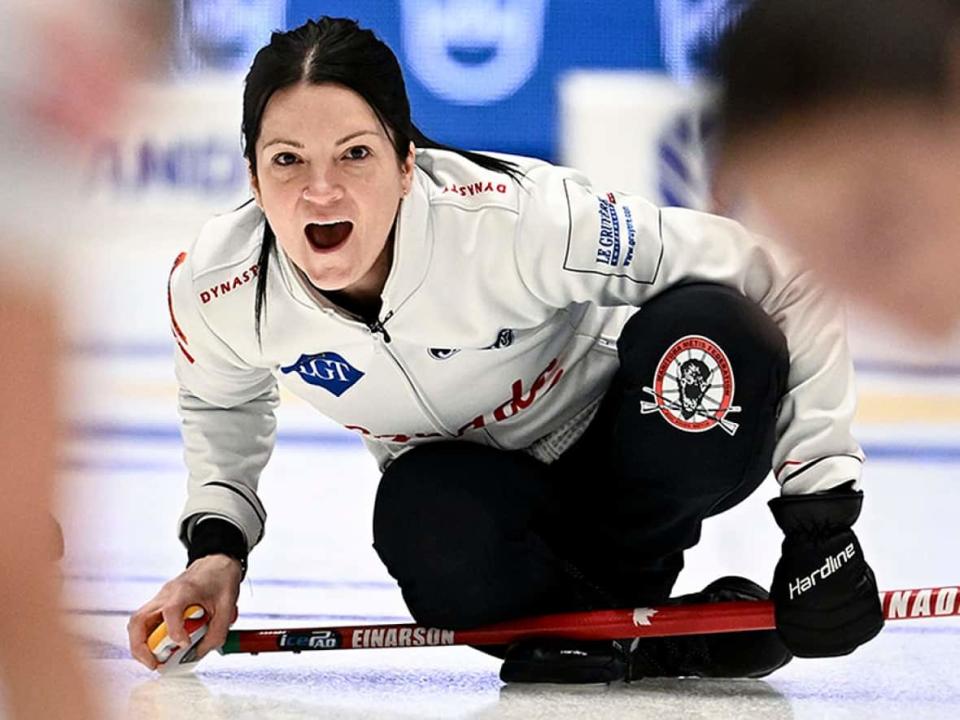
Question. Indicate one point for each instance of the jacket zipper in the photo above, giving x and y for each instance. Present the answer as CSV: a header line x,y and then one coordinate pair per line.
x,y
377,328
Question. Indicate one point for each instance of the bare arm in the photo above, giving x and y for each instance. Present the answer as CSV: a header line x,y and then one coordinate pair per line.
x,y
41,671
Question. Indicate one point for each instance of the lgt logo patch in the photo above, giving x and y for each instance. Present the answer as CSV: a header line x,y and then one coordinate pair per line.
x,y
327,370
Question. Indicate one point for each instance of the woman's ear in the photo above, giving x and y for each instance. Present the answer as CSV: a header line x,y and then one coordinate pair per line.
x,y
254,186
406,170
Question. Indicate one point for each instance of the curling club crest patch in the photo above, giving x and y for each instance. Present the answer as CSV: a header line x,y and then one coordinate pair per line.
x,y
693,387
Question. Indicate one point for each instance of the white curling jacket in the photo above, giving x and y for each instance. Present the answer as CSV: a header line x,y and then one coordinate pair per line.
x,y
498,326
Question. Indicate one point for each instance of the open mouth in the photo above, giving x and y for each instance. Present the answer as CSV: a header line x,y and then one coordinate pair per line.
x,y
328,236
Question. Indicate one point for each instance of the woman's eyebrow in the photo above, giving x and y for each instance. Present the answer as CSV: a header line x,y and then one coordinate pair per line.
x,y
294,143
282,141
356,134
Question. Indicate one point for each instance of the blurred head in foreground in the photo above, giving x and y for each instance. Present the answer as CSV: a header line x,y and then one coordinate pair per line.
x,y
66,68
842,134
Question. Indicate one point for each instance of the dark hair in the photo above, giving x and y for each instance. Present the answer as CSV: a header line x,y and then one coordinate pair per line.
x,y
784,58
334,50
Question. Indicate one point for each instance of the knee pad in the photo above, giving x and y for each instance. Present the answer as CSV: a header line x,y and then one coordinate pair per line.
x,y
703,369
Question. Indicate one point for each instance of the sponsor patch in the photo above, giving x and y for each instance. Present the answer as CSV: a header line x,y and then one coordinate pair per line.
x,y
693,387
313,640
609,236
327,370
608,243
475,188
238,281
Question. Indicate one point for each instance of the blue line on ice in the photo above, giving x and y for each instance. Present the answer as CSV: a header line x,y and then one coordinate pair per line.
x,y
164,350
171,433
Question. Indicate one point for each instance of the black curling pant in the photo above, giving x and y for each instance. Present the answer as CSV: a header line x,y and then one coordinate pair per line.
x,y
476,535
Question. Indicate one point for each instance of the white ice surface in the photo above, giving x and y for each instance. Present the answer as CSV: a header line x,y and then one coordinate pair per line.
x,y
315,566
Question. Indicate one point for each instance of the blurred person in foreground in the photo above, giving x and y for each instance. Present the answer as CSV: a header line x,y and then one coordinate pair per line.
x,y
842,136
63,70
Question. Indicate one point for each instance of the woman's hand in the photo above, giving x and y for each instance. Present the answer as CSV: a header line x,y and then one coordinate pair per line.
x,y
213,582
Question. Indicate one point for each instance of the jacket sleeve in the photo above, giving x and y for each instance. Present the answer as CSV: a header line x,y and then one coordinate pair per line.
x,y
575,244
227,412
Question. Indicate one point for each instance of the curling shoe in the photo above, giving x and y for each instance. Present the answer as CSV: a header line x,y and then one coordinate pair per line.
x,y
555,660
728,655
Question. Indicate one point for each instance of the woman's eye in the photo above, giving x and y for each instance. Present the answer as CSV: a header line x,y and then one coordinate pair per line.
x,y
284,159
358,152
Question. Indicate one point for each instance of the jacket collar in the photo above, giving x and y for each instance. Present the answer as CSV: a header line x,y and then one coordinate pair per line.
x,y
413,245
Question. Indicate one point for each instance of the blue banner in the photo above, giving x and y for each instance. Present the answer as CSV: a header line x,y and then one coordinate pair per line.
x,y
480,74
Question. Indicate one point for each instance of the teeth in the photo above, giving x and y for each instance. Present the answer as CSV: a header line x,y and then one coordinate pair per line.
x,y
328,222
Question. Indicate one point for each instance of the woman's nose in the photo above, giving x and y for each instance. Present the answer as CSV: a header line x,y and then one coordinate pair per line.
x,y
322,188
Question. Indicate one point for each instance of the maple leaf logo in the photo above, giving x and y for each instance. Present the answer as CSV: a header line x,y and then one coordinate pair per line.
x,y
641,616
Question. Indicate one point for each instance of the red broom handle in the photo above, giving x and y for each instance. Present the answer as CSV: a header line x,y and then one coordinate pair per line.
x,y
671,620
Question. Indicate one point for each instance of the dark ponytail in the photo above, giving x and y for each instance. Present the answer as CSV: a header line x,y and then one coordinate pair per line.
x,y
485,161
335,50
